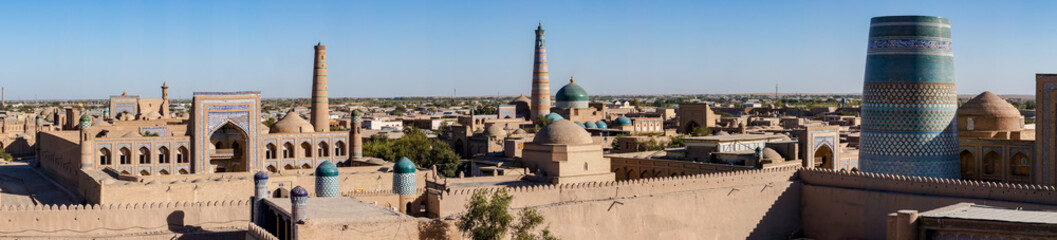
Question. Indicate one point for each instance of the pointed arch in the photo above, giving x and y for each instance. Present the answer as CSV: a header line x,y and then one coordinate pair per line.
x,y
183,172
104,157
306,166
288,150
182,155
339,148
323,149
1019,165
144,173
992,163
163,154
269,151
125,156
306,149
968,164
272,169
144,155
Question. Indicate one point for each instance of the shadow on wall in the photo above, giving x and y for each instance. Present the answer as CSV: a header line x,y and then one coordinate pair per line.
x,y
176,221
433,230
776,223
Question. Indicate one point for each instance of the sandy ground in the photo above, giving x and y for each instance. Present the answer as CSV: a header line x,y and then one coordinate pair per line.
x,y
21,185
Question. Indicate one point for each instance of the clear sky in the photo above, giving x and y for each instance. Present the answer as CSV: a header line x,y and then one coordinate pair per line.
x,y
92,49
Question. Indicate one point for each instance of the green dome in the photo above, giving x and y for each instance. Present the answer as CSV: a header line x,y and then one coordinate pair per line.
x,y
326,169
553,117
86,118
404,165
571,93
622,120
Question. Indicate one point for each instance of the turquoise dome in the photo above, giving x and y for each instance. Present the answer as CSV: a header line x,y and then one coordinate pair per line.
x,y
622,120
571,96
601,124
326,169
554,117
404,165
590,125
580,124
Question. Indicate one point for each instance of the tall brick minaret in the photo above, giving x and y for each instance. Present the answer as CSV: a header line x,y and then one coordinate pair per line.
x,y
320,102
164,101
541,86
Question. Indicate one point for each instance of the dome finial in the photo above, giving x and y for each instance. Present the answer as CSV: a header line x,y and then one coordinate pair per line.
x,y
571,78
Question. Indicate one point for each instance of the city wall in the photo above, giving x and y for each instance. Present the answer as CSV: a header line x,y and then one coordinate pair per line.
x,y
235,186
854,205
118,220
628,168
749,204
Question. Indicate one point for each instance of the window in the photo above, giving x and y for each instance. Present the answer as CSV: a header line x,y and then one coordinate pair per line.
x,y
181,155
104,156
339,149
125,157
324,149
269,151
307,149
288,150
144,155
163,155
1018,165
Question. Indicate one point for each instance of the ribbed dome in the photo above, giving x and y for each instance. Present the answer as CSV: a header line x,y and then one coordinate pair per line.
x,y
260,175
590,124
299,192
495,131
601,124
404,165
554,117
326,169
292,123
571,96
521,98
622,120
562,132
988,104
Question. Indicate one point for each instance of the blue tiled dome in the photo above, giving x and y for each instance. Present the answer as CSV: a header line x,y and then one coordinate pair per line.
x,y
327,169
554,117
404,165
601,124
622,120
590,125
261,175
299,192
580,124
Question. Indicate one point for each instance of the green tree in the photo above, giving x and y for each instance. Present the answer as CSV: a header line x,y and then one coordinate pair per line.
x,y
414,145
5,156
488,218
529,219
701,131
269,122
676,142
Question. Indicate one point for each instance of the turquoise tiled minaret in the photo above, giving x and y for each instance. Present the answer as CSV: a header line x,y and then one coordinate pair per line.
x,y
909,99
327,180
404,177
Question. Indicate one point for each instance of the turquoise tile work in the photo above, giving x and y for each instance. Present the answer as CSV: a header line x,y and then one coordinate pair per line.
x,y
909,98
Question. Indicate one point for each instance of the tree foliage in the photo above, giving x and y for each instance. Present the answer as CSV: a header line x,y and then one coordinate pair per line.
x,y
488,218
5,156
701,131
414,145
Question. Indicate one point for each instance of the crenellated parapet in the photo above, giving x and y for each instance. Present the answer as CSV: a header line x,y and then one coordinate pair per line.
x,y
121,219
257,233
452,200
931,186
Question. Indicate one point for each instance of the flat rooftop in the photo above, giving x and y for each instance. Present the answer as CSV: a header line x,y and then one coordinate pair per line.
x,y
734,137
338,210
491,183
970,211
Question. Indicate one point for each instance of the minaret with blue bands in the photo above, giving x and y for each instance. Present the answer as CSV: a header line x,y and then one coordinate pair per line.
x,y
909,99
541,85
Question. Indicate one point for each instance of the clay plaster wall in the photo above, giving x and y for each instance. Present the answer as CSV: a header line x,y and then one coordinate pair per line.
x,y
113,220
756,203
843,205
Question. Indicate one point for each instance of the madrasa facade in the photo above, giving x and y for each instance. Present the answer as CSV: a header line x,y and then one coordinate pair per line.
x,y
221,133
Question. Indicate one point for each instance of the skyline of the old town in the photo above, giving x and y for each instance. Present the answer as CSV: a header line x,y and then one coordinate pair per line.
x,y
432,48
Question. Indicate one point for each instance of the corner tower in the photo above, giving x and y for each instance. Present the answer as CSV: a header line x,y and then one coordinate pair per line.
x,y
909,98
541,86
320,100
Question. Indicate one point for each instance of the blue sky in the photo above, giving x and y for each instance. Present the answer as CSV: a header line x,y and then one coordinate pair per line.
x,y
92,49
